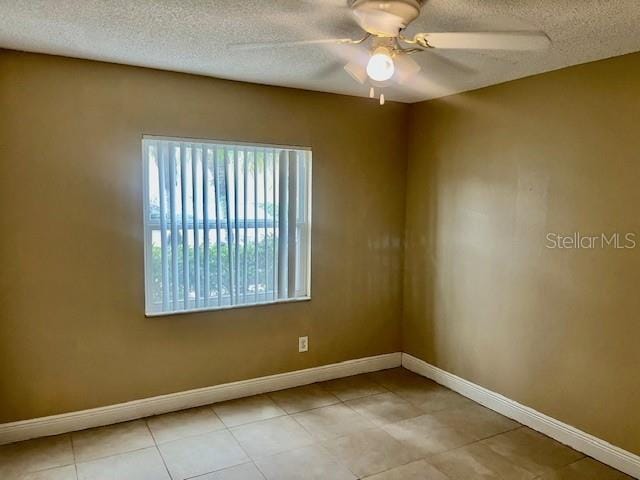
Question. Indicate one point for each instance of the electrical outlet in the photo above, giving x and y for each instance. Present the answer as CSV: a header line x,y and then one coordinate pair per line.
x,y
303,344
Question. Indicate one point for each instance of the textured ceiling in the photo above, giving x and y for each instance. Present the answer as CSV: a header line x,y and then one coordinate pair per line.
x,y
192,36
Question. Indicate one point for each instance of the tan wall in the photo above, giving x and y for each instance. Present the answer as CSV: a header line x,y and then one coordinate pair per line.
x,y
72,332
490,173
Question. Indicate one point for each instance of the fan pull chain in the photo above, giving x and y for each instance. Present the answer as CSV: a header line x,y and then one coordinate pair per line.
x,y
372,94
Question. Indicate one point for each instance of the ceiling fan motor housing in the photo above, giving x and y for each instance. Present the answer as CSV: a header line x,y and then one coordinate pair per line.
x,y
385,18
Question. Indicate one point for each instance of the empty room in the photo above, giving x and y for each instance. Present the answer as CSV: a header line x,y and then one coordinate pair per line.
x,y
319,240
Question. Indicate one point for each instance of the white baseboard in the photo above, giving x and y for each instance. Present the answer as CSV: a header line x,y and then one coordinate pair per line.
x,y
95,417
606,453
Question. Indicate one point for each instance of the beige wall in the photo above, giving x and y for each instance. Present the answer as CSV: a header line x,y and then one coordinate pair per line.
x,y
72,332
490,173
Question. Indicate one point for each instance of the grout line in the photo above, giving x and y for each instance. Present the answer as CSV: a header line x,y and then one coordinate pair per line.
x,y
264,475
73,448
522,427
302,426
207,432
380,427
316,384
200,475
191,435
240,445
319,443
255,421
116,454
157,447
46,469
73,453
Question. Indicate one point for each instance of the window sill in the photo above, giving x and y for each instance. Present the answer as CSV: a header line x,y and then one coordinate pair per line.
x,y
225,307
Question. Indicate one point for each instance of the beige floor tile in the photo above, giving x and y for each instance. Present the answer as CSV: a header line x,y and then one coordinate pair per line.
x,y
307,397
111,440
475,420
349,388
427,435
247,410
33,455
384,408
272,436
200,454
332,421
418,470
308,463
431,397
246,471
185,423
586,469
143,464
379,430
478,462
57,473
532,450
370,451
395,378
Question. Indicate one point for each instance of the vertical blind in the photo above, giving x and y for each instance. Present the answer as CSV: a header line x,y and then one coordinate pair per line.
x,y
225,225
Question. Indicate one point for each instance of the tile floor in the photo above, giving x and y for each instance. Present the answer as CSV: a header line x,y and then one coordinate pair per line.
x,y
388,425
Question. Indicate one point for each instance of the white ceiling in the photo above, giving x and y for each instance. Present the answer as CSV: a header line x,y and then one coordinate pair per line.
x,y
192,36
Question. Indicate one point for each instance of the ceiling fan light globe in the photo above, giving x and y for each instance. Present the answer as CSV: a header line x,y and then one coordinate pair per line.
x,y
380,67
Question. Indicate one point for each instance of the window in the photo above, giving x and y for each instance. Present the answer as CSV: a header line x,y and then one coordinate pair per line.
x,y
224,225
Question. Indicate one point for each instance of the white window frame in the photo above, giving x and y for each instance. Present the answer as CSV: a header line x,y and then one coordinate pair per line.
x,y
302,291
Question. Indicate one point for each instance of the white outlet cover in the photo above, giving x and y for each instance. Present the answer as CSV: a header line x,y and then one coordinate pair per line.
x,y
303,344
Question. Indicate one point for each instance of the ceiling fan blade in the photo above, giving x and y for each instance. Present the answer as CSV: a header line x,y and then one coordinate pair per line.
x,y
295,43
438,60
328,70
485,40
425,85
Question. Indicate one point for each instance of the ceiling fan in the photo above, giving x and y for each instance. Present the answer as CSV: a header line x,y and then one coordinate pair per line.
x,y
384,57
